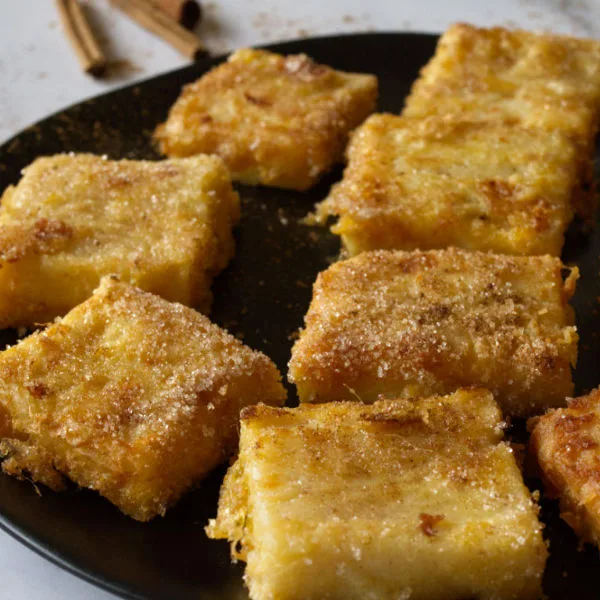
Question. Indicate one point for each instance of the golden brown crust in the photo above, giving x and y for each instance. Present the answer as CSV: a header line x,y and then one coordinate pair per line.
x,y
565,444
544,82
417,323
6,429
163,226
444,181
130,395
275,120
344,500
30,462
42,236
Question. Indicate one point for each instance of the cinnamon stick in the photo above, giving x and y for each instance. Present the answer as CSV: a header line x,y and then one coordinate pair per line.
x,y
82,38
154,19
185,12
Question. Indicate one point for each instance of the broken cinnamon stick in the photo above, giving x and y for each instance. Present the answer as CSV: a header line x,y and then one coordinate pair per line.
x,y
185,12
154,19
82,38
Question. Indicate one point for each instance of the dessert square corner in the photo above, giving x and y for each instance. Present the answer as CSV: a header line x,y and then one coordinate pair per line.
x,y
420,323
164,226
130,395
276,120
540,80
564,449
414,497
445,181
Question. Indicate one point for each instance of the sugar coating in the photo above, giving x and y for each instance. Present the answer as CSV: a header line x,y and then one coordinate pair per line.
x,y
443,181
130,395
493,150
420,323
414,499
565,444
275,120
163,226
542,81
545,82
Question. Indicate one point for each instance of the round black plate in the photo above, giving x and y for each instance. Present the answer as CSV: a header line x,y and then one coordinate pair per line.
x,y
270,277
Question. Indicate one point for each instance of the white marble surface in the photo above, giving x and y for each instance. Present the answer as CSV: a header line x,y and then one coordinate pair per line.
x,y
39,75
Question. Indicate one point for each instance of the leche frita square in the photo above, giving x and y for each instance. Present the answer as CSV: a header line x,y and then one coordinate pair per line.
x,y
276,120
404,498
421,323
164,226
130,395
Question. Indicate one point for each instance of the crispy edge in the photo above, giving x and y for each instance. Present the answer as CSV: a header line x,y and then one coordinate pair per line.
x,y
552,456
326,133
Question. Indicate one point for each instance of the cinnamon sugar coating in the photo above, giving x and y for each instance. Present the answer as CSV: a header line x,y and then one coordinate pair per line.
x,y
539,81
419,323
403,498
163,226
130,395
565,444
275,120
443,181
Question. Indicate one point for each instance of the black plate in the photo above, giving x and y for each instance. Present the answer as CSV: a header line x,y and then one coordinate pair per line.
x,y
271,275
